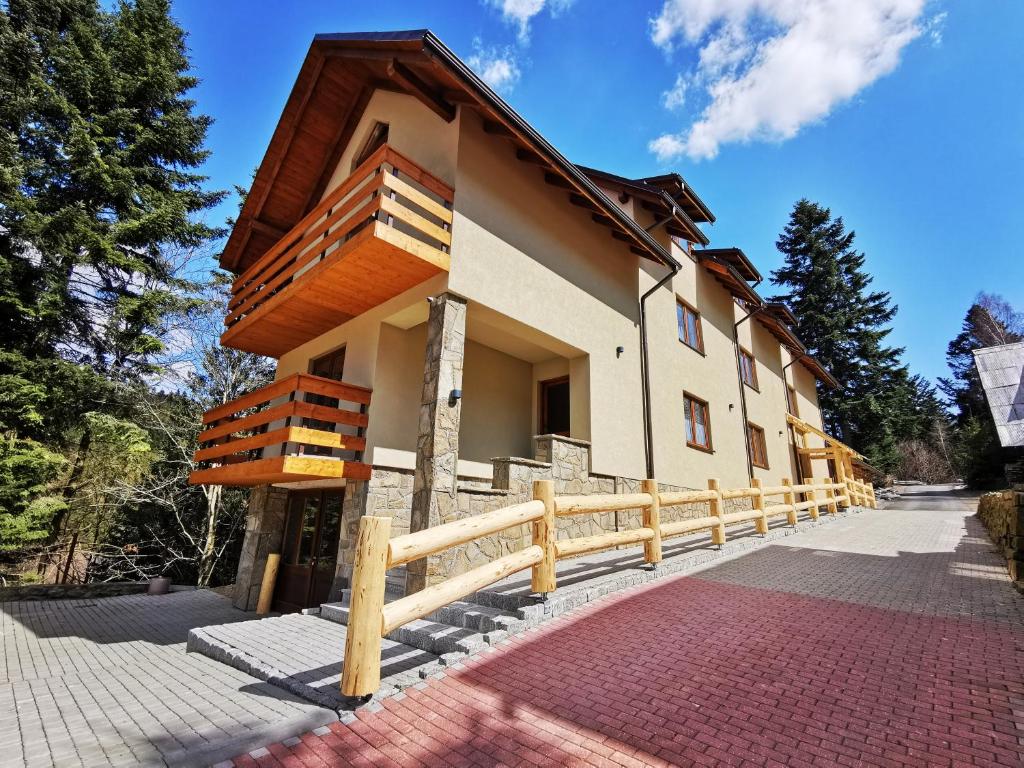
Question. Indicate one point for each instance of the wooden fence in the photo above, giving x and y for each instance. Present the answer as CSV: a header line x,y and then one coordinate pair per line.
x,y
370,618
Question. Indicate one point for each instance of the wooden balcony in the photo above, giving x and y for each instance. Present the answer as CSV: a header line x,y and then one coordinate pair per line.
x,y
383,230
285,432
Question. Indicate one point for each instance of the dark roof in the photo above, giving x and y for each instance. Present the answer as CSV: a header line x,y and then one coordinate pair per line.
x,y
657,200
674,183
738,259
781,311
334,84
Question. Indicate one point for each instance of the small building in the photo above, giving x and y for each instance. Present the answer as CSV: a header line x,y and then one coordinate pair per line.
x,y
456,309
1001,370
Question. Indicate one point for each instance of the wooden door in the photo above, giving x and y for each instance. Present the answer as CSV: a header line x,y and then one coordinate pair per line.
x,y
309,550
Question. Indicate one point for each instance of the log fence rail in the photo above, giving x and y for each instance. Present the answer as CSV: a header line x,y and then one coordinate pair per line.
x,y
370,619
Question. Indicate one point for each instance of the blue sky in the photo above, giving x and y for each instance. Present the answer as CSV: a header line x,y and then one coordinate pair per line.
x,y
904,116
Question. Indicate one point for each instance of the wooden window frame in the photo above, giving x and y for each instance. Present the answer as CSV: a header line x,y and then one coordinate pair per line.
x,y
682,328
747,354
791,400
758,440
376,137
690,402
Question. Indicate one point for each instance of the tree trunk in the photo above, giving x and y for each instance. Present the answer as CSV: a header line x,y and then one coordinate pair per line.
x,y
208,558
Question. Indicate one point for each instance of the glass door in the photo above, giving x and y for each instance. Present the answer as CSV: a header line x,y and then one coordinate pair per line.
x,y
309,550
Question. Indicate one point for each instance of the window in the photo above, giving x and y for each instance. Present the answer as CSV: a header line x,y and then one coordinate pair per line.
x,y
698,426
748,369
792,402
758,448
377,138
688,320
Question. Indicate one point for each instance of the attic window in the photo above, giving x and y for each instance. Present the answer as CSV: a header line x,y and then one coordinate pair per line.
x,y
377,138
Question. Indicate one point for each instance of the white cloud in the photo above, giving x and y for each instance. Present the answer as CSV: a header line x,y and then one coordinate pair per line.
x,y
521,12
496,67
770,67
675,97
935,26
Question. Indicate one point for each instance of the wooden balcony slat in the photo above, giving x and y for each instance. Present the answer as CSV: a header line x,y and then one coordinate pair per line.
x,y
413,219
281,469
254,292
320,210
424,178
300,435
283,411
409,192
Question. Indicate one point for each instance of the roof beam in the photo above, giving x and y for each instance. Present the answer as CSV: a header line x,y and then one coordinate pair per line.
x,y
557,181
409,80
268,229
527,156
497,129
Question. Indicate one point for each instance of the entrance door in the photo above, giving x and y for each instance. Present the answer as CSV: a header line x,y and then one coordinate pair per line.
x,y
310,550
553,418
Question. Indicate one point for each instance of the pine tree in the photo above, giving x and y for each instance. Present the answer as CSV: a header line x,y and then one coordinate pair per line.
x,y
990,321
844,324
99,196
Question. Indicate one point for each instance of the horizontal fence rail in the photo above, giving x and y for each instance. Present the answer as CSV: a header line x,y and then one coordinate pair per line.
x,y
297,415
370,618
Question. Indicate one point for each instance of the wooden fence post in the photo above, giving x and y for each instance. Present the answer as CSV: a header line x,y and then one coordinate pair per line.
x,y
830,496
789,498
267,585
718,532
760,523
840,462
813,494
652,520
361,673
543,578
871,492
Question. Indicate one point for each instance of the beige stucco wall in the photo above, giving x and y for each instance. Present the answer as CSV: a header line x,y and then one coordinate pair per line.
x,y
520,248
496,405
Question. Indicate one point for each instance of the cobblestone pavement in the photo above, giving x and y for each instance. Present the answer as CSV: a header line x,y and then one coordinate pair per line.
x,y
891,639
107,682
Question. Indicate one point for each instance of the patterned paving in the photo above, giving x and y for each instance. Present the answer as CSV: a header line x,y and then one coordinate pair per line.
x,y
890,639
107,682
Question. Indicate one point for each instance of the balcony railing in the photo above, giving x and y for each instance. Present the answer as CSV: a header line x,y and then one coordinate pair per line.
x,y
292,430
384,229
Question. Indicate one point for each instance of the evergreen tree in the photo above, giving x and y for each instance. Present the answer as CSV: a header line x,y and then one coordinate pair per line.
x,y
990,321
99,146
844,324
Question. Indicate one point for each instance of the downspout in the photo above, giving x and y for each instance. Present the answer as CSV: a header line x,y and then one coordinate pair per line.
x,y
792,432
743,386
645,373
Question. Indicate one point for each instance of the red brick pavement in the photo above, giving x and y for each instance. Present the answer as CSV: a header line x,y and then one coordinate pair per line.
x,y
693,672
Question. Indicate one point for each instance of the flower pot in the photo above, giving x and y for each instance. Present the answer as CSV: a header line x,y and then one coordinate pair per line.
x,y
161,585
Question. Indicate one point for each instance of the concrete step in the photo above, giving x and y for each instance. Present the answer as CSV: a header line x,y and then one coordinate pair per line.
x,y
479,617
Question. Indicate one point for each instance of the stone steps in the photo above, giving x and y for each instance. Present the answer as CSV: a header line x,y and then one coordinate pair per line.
x,y
459,627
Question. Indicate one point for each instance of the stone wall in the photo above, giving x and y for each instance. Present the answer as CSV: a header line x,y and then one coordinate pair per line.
x,y
564,460
1002,513
71,591
264,529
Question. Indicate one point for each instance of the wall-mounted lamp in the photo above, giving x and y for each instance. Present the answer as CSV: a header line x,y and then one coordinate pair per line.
x,y
619,351
454,396
731,406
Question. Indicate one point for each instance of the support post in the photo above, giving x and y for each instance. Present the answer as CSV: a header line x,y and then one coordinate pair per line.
x,y
268,583
718,532
789,498
434,498
871,493
361,672
840,461
543,578
830,496
760,523
813,498
652,520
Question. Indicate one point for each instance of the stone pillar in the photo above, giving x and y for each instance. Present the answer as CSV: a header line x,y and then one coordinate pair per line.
x,y
264,529
434,497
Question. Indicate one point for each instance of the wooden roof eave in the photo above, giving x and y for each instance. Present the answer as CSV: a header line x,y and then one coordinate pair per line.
x,y
400,52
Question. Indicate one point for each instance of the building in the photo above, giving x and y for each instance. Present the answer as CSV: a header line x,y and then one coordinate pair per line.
x,y
1001,370
457,309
